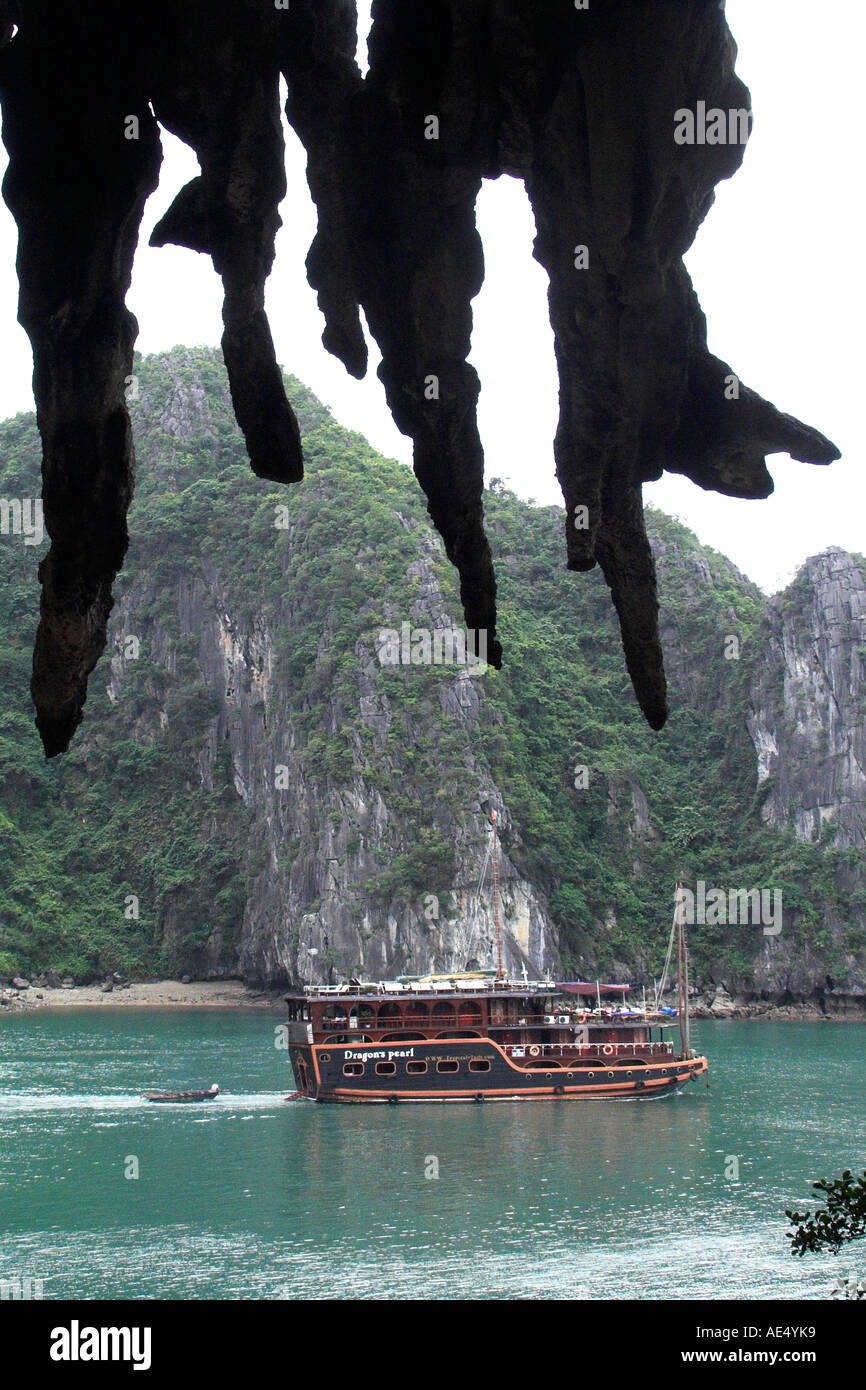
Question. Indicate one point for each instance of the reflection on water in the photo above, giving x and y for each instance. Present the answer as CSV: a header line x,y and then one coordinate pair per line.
x,y
250,1197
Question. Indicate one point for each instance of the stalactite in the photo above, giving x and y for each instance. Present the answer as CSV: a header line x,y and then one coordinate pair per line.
x,y
584,104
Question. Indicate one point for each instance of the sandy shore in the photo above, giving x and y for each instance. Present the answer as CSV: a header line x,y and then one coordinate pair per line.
x,y
162,994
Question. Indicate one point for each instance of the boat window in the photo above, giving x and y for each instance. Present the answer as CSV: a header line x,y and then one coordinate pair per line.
x,y
353,1069
459,1033
479,1064
386,1068
447,1066
402,1037
416,1067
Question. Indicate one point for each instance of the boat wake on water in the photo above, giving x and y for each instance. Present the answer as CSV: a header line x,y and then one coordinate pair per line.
x,y
30,1102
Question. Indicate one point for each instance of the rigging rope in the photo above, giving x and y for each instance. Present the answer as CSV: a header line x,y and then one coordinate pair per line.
x,y
660,985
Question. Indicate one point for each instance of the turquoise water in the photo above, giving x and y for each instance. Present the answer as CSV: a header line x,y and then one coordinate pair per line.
x,y
251,1197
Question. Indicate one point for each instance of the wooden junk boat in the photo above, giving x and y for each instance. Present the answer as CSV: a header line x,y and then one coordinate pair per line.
x,y
481,1037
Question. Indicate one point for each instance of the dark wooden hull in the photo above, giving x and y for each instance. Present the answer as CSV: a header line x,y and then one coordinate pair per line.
x,y
471,1071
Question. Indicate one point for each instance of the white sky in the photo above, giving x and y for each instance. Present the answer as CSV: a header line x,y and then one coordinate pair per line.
x,y
778,267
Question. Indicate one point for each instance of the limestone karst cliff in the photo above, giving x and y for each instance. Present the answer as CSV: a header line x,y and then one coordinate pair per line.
x,y
257,790
807,721
807,715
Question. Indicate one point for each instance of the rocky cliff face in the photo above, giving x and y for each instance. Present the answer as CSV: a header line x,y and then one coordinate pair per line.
x,y
314,844
287,802
807,720
702,642
319,836
807,703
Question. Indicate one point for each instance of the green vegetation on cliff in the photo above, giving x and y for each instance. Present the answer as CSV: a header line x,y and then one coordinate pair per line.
x,y
129,853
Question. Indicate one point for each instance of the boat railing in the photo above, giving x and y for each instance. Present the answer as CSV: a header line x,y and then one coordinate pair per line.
x,y
410,1020
560,1019
379,988
473,1020
405,1023
602,1050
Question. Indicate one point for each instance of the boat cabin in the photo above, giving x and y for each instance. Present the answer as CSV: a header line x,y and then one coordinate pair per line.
x,y
590,1019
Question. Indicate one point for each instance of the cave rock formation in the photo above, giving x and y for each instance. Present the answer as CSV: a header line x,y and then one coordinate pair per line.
x,y
619,116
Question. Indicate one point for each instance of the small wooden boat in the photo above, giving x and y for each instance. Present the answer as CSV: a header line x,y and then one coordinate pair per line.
x,y
181,1097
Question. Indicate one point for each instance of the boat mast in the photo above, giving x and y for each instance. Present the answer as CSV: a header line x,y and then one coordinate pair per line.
x,y
682,974
500,974
687,1020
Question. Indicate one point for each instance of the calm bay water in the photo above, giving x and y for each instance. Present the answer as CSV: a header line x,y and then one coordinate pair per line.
x,y
251,1197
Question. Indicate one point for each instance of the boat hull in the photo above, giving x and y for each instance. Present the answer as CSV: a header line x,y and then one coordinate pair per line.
x,y
472,1071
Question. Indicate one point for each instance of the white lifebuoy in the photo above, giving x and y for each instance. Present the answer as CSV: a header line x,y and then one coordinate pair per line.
x,y
534,1051
607,1050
